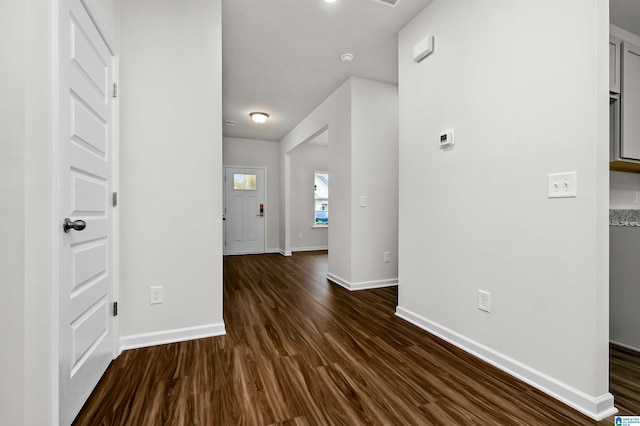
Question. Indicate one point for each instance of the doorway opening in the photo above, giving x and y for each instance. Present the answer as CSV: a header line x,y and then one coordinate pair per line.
x,y
309,185
624,205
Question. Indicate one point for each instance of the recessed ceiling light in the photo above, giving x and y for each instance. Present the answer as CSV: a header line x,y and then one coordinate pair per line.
x,y
346,57
259,117
329,1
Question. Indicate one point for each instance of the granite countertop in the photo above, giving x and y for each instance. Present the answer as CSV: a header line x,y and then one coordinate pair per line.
x,y
624,217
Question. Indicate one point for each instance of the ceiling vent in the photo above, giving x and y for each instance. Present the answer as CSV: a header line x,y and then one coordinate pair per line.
x,y
391,3
231,123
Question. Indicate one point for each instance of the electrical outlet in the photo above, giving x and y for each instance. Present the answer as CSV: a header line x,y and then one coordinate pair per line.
x,y
156,295
387,257
300,235
484,301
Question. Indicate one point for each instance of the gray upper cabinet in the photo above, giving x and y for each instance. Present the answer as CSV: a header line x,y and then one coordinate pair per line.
x,y
614,64
630,98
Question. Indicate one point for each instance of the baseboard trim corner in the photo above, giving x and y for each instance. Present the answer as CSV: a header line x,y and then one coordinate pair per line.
x,y
364,285
285,252
171,336
597,408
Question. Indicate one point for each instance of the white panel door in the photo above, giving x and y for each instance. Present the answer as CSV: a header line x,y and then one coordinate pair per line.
x,y
245,210
86,286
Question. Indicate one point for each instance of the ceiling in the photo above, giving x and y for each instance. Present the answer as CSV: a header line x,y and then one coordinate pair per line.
x,y
282,57
625,14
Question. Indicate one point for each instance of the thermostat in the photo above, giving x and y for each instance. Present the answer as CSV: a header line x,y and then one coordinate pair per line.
x,y
446,139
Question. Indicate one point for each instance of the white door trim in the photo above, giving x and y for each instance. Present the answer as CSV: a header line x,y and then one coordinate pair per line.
x,y
266,201
57,191
117,348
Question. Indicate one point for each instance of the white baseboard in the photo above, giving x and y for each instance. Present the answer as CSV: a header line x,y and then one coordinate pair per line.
x,y
364,285
597,408
285,253
244,253
171,336
294,249
270,250
622,345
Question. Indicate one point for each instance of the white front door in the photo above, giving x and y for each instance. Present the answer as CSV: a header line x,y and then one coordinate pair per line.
x,y
245,210
86,284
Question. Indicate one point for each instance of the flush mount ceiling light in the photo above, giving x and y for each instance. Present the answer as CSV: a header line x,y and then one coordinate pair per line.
x,y
329,1
259,117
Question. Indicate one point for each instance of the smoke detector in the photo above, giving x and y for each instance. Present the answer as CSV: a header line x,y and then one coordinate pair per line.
x,y
346,57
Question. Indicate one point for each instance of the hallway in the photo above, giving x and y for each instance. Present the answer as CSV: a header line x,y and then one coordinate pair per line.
x,y
302,351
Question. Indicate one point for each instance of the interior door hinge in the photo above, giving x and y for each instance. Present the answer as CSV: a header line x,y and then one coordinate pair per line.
x,y
115,199
115,309
115,90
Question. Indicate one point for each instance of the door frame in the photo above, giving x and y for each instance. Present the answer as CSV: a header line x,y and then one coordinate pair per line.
x,y
224,204
57,194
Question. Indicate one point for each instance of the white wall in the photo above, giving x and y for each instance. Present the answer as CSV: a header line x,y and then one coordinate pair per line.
x,y
12,214
525,86
28,219
361,118
374,174
339,233
306,159
170,168
250,152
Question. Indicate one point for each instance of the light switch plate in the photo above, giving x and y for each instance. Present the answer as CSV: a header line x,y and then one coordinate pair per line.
x,y
562,185
363,201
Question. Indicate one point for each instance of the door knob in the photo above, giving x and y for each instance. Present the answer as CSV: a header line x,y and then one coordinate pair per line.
x,y
76,225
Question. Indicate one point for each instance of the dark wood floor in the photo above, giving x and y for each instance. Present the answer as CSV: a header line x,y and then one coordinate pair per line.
x,y
624,372
302,351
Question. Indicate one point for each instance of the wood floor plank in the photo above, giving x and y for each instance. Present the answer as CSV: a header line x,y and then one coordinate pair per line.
x,y
300,350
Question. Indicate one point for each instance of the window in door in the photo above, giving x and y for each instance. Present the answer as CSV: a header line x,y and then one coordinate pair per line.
x,y
321,199
244,182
